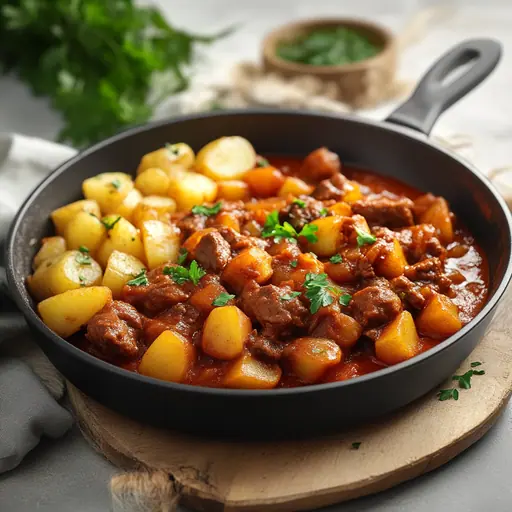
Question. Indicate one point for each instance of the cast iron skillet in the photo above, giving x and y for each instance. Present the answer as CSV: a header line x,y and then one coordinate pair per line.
x,y
394,148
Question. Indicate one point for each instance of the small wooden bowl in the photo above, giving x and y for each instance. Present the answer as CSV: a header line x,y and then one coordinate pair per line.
x,y
361,84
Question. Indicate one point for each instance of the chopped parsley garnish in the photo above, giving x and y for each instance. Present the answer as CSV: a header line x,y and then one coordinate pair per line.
x,y
181,275
82,248
356,445
294,263
318,291
139,280
290,296
222,299
345,299
324,212
337,258
182,256
308,232
207,210
285,230
475,364
447,394
478,372
465,380
116,184
364,238
109,223
83,257
299,202
262,162
173,149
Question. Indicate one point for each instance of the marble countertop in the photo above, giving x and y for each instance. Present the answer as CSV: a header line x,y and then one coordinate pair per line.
x,y
64,475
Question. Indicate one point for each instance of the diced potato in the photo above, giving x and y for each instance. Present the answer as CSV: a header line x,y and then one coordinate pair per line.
x,y
352,192
128,205
341,208
109,189
306,263
264,181
393,263
51,247
266,205
332,324
251,263
66,272
233,190
64,214
253,228
120,269
225,332
439,216
295,187
87,230
169,357
161,243
191,242
153,208
309,358
439,318
66,313
341,273
168,157
251,373
361,224
203,298
123,237
227,219
329,236
398,341
190,188
153,182
227,158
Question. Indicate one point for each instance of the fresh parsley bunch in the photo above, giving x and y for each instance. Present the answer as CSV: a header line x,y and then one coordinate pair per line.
x,y
96,60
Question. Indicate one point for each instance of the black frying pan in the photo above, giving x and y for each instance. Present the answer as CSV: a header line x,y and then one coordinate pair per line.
x,y
397,147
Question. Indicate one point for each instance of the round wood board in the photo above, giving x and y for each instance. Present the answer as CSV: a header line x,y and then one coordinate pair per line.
x,y
301,475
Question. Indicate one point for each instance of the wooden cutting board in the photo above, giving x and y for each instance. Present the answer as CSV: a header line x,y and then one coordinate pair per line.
x,y
302,475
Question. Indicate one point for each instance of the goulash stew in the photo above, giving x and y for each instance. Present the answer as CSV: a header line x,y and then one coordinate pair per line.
x,y
225,269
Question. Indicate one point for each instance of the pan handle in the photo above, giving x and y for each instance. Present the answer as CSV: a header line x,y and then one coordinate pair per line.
x,y
433,96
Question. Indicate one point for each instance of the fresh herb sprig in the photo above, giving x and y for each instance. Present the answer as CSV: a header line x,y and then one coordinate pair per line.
x,y
364,238
83,257
273,228
141,279
464,381
180,275
222,299
208,211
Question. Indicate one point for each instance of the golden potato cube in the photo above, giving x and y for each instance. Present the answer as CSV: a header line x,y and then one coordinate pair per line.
x,y
109,189
341,208
153,182
248,372
122,236
121,268
161,243
51,247
153,208
227,158
264,181
66,313
233,190
190,188
439,318
227,219
267,205
398,341
329,236
225,331
439,216
352,192
64,214
295,187
129,204
251,263
85,230
169,358
203,298
393,263
167,158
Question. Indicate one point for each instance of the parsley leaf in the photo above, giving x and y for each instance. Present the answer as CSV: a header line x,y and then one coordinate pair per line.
x,y
324,212
299,202
356,445
116,184
447,394
464,380
272,227
181,275
294,263
364,238
182,256
109,222
83,257
195,272
345,299
478,372
317,291
308,232
271,222
475,364
290,296
337,258
222,299
207,210
262,162
139,280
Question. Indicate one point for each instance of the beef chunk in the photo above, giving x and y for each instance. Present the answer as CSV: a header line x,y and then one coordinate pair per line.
x,y
213,252
161,293
298,216
358,264
240,242
375,305
113,332
429,269
419,242
409,292
191,223
268,306
393,213
265,348
184,319
319,165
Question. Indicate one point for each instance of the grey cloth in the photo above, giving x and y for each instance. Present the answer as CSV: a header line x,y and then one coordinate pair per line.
x,y
28,405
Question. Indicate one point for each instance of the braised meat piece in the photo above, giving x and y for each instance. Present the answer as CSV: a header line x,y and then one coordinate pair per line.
x,y
423,203
240,242
264,348
393,213
191,223
375,305
331,188
430,269
409,292
420,242
114,332
273,308
213,252
161,293
298,216
319,165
